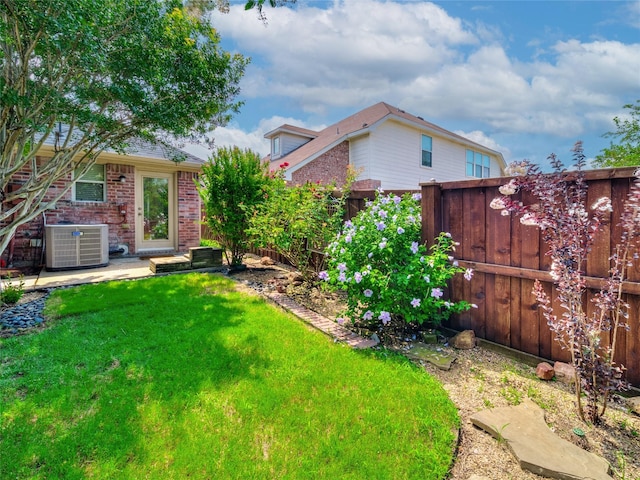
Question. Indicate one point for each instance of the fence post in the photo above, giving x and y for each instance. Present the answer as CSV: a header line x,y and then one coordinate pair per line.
x,y
431,212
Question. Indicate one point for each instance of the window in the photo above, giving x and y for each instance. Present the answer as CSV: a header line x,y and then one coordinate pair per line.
x,y
426,151
275,147
478,165
90,187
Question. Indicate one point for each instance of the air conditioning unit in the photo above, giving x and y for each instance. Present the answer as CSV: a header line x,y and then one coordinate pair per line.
x,y
76,246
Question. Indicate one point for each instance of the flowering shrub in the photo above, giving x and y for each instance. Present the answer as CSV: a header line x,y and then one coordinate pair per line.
x,y
570,231
378,260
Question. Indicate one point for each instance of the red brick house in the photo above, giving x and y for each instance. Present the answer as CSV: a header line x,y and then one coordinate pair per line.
x,y
144,200
387,146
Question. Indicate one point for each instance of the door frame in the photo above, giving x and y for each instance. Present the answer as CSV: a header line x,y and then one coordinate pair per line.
x,y
143,245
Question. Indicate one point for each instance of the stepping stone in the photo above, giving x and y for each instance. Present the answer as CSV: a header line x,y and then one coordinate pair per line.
x,y
432,354
536,447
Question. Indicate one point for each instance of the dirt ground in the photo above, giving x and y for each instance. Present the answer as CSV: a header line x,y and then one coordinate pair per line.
x,y
481,378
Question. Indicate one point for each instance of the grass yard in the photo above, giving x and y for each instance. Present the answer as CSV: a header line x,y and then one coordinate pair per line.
x,y
183,377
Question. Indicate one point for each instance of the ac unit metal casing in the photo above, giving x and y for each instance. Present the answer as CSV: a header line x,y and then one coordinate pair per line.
x,y
76,246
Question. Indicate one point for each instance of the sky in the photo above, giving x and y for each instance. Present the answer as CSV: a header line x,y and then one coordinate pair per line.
x,y
525,78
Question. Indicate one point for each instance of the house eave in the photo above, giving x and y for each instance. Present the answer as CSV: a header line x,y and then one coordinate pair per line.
x,y
135,160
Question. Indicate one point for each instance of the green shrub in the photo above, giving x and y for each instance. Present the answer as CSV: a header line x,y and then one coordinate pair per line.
x,y
11,293
297,220
378,260
207,242
233,185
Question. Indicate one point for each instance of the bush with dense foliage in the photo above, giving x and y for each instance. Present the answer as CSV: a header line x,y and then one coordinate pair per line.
x,y
378,260
233,186
298,221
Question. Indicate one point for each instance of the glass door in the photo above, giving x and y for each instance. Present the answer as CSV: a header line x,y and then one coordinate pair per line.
x,y
155,218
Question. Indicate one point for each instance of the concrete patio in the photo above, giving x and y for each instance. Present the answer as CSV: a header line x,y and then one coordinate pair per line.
x,y
118,269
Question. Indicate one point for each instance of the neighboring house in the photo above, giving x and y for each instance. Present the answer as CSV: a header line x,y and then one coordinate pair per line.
x,y
148,200
388,147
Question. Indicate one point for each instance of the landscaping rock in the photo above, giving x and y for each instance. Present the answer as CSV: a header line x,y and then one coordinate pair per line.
x,y
430,337
432,354
536,447
25,315
544,371
464,340
295,277
634,404
267,261
564,372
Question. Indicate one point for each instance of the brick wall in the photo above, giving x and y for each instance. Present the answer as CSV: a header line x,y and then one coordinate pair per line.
x,y
367,184
331,167
327,168
189,211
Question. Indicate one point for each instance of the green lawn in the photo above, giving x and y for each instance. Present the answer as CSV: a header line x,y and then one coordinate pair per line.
x,y
182,377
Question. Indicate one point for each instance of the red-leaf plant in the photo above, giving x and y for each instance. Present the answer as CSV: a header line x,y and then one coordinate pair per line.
x,y
569,231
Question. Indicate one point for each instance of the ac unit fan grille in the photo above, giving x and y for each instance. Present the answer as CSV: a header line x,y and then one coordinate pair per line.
x,y
76,246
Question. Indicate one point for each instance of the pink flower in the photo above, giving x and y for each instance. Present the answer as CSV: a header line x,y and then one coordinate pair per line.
x,y
436,292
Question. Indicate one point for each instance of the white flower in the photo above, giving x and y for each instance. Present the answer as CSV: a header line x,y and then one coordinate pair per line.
x,y
517,168
498,203
603,204
555,271
529,219
508,189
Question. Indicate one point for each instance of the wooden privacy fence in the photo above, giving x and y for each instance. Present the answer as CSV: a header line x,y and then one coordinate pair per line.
x,y
507,257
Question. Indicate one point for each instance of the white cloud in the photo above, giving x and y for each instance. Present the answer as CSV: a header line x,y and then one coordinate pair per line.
x,y
485,140
630,14
352,50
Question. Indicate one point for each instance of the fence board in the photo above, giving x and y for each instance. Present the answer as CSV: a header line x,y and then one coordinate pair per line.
x,y
630,357
515,314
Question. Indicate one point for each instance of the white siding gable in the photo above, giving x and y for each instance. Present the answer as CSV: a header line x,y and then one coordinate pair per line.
x,y
395,153
360,156
289,142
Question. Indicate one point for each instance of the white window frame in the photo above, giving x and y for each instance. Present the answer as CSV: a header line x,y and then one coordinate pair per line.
x,y
81,180
422,151
275,147
477,164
